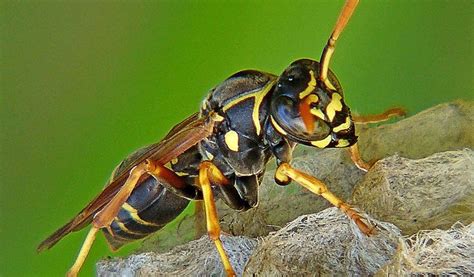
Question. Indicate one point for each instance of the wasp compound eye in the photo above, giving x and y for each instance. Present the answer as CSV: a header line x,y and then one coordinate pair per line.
x,y
286,114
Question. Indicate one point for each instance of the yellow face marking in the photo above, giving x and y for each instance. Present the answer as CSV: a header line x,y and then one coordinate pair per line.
x,y
174,161
322,143
313,98
278,127
256,106
334,105
232,140
344,126
134,214
311,85
342,143
318,113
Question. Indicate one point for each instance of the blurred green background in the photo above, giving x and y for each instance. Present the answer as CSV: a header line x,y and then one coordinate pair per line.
x,y
84,83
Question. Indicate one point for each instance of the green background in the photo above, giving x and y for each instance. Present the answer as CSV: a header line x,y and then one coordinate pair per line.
x,y
84,83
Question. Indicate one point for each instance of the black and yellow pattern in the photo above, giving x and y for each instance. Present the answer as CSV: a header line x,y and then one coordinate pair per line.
x,y
258,118
223,151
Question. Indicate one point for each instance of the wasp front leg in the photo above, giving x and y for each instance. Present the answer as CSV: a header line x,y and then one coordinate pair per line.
x,y
285,173
208,173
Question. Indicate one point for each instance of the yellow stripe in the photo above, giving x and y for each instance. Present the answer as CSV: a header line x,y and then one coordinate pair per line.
x,y
181,173
278,127
126,230
117,236
258,98
237,100
344,126
311,85
256,106
322,143
334,105
134,214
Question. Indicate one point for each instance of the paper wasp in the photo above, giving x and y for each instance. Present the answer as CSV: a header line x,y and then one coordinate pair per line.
x,y
222,151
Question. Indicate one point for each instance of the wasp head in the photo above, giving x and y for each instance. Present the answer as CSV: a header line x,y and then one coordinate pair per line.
x,y
311,111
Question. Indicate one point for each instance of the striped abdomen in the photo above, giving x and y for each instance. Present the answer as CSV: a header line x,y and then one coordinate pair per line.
x,y
149,208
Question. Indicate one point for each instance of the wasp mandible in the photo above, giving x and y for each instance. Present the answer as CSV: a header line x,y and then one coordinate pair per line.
x,y
222,151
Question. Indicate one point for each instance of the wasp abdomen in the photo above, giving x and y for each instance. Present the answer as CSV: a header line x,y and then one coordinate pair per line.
x,y
149,208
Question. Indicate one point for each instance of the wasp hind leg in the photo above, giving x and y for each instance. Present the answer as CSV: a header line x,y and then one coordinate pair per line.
x,y
285,173
81,257
104,218
107,214
208,173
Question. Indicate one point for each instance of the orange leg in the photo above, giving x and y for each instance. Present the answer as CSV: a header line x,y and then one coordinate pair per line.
x,y
81,257
208,173
354,149
375,118
357,159
316,186
104,218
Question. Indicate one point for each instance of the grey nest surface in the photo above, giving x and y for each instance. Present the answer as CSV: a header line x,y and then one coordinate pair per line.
x,y
419,195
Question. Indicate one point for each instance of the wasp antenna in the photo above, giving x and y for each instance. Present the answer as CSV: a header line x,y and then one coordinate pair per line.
x,y
341,22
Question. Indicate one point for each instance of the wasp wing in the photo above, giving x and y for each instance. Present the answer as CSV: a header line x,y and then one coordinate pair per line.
x,y
180,138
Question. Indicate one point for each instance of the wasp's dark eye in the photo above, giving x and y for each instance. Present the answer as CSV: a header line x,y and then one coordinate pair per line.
x,y
287,107
286,113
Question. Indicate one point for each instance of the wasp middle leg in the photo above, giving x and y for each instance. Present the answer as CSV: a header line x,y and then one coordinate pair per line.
x,y
208,173
285,172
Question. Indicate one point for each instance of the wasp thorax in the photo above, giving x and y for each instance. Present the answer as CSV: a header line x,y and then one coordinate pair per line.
x,y
309,110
